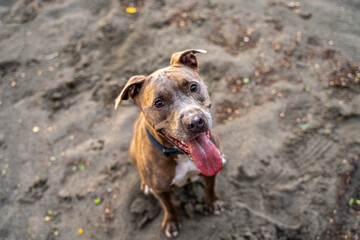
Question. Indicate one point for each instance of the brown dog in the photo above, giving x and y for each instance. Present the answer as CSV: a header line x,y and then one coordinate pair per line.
x,y
173,143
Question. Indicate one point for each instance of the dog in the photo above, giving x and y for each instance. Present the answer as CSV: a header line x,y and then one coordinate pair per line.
x,y
173,143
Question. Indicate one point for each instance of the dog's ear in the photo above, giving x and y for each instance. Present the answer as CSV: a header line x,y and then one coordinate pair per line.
x,y
186,58
131,89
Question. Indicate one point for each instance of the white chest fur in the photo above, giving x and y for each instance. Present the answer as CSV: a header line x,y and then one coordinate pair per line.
x,y
185,171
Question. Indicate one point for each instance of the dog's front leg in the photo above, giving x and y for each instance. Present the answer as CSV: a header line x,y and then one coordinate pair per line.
x,y
213,201
170,223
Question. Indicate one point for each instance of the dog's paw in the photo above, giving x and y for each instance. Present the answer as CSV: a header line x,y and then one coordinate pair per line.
x,y
171,229
217,206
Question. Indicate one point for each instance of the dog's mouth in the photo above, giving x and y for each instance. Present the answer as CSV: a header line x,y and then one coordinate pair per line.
x,y
202,151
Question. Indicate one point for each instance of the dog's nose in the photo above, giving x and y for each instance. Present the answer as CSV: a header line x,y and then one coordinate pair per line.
x,y
194,124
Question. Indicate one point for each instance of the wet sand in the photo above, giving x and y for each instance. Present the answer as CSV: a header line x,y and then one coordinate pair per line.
x,y
284,82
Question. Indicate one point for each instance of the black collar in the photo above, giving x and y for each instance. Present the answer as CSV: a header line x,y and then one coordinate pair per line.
x,y
166,151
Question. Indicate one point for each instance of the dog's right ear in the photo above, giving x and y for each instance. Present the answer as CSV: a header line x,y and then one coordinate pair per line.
x,y
131,89
186,58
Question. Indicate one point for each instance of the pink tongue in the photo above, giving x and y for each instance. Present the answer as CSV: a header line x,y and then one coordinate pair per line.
x,y
205,155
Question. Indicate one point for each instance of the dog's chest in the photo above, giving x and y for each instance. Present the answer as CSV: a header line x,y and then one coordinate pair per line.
x,y
185,171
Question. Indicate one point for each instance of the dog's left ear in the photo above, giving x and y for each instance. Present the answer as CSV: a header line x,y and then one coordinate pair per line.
x,y
131,89
186,58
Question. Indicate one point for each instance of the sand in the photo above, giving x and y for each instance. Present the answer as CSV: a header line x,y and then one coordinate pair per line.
x,y
284,82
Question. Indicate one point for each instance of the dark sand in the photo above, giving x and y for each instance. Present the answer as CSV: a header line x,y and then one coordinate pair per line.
x,y
291,135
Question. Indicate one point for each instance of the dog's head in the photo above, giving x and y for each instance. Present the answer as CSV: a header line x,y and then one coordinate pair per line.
x,y
176,103
174,100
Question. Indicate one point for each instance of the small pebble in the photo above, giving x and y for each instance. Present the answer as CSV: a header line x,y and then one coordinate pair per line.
x,y
276,47
293,4
306,15
35,129
250,30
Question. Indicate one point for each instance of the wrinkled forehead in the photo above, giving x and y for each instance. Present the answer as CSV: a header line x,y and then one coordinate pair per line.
x,y
170,79
176,76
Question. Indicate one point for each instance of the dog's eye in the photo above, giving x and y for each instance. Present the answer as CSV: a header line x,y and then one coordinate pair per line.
x,y
194,87
159,103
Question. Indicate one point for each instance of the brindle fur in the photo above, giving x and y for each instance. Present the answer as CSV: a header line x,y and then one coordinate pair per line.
x,y
172,85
